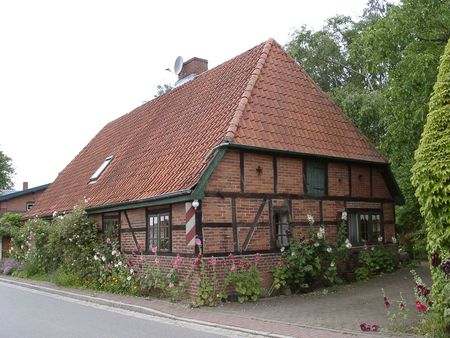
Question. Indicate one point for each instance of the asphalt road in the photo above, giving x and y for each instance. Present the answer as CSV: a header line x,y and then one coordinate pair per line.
x,y
26,313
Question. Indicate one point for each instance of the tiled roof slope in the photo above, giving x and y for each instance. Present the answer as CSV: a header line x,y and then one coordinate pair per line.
x,y
260,98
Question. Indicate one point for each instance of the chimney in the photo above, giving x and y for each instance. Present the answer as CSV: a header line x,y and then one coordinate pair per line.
x,y
25,185
193,67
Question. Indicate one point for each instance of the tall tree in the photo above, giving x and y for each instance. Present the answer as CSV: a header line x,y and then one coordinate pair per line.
x,y
380,70
431,174
6,171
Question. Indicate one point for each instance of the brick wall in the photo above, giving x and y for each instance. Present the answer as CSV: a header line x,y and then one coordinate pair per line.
x,y
360,180
258,173
302,208
379,185
19,204
218,240
338,184
247,208
226,176
290,177
332,210
216,210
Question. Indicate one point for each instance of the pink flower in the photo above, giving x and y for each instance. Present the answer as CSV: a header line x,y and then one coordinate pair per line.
x,y
176,262
257,257
233,267
386,302
141,258
213,261
157,261
108,266
420,307
108,241
369,327
198,242
171,285
280,264
154,250
197,262
402,306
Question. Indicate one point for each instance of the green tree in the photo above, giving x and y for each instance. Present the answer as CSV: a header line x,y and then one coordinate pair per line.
x,y
431,174
6,171
380,71
162,89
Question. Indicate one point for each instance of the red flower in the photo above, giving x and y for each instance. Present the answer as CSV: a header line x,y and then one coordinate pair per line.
x,y
386,302
375,327
257,257
364,327
280,264
420,307
402,306
200,255
197,262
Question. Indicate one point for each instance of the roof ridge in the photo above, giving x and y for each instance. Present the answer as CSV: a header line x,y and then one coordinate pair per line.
x,y
234,124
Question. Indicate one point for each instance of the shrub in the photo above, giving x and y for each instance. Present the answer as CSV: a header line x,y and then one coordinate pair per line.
x,y
431,173
244,276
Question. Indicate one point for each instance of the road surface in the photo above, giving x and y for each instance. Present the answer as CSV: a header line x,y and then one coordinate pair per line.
x,y
26,313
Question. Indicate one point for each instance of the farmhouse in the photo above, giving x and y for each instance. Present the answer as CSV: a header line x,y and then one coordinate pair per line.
x,y
235,156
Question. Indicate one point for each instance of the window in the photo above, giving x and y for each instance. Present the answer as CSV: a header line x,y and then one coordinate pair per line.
x,y
111,223
100,170
365,227
281,218
159,231
29,206
315,178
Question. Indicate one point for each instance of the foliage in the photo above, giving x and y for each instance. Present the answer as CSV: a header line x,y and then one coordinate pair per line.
x,y
380,71
6,171
431,174
311,260
9,224
374,261
244,276
162,89
209,292
397,312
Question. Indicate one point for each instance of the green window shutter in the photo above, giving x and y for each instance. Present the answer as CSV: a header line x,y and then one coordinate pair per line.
x,y
315,178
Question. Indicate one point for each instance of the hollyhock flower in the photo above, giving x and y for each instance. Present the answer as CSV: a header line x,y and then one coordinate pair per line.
x,y
257,257
128,278
420,307
200,255
171,285
348,245
344,215
435,259
364,327
119,264
96,257
310,241
108,240
406,240
386,302
141,258
402,306
329,249
233,267
157,261
380,239
225,263
446,267
394,240
154,250
108,266
375,327
282,249
319,235
423,290
198,242
131,271
113,252
213,261
316,244
176,262
280,264
103,258
310,219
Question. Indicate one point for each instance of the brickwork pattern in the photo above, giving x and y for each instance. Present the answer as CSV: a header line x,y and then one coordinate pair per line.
x,y
227,175
360,181
247,208
216,210
218,240
380,188
258,173
302,208
338,184
290,175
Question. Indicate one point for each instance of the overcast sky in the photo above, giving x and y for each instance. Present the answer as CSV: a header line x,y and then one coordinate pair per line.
x,y
69,67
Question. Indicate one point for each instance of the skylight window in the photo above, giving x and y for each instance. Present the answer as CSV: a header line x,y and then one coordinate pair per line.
x,y
101,169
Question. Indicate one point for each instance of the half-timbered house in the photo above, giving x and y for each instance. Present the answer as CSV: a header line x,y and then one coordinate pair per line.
x,y
235,156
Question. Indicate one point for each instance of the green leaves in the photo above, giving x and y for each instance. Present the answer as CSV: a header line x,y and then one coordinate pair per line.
x,y
6,171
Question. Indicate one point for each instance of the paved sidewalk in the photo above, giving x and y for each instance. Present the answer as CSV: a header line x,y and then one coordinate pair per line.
x,y
313,315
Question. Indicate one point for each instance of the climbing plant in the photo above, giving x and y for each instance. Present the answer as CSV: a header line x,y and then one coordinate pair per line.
x,y
431,177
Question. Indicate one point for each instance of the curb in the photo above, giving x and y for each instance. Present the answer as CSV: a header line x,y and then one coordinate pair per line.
x,y
133,308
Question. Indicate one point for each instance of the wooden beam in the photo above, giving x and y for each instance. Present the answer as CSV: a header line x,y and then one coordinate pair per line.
x,y
234,225
253,227
132,230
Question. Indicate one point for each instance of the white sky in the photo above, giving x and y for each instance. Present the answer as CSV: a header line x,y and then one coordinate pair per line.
x,y
69,67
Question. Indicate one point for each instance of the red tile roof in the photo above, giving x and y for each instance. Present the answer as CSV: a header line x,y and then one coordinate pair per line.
x,y
260,98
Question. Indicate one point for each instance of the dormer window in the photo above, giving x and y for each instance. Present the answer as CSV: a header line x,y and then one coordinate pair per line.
x,y
101,169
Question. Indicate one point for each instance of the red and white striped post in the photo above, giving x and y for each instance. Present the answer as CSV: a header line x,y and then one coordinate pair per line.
x,y
190,224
